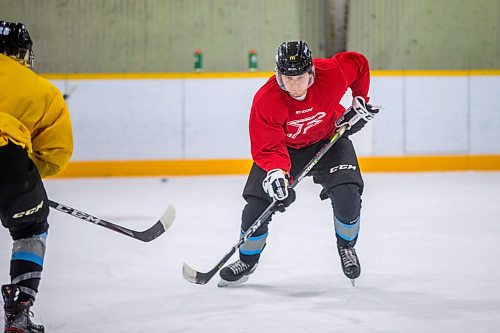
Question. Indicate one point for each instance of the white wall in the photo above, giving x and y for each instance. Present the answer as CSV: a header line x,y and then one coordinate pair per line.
x,y
154,119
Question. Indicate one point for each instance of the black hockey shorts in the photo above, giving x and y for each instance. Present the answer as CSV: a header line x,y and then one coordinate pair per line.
x,y
338,166
23,201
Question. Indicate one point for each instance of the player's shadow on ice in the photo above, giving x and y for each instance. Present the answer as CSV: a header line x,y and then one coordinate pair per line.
x,y
415,303
297,290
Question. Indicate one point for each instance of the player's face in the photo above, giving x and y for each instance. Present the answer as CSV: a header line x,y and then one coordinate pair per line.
x,y
296,85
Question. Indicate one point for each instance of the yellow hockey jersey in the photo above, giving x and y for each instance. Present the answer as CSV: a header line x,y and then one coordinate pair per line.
x,y
34,115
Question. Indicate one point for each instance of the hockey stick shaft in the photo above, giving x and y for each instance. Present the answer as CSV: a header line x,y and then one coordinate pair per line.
x,y
146,236
194,276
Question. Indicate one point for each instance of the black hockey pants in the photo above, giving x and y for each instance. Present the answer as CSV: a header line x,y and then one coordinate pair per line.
x,y
23,210
339,175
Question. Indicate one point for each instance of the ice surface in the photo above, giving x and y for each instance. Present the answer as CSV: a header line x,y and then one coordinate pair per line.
x,y
429,248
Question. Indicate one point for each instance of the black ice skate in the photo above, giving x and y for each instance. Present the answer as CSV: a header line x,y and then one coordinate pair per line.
x,y
17,314
350,262
236,273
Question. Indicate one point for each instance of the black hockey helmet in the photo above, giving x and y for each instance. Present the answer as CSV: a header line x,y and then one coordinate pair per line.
x,y
15,41
293,58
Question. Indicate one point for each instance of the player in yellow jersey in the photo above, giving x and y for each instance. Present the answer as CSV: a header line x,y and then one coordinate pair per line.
x,y
36,141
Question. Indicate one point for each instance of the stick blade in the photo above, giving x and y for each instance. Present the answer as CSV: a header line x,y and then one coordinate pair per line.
x,y
158,228
168,217
191,275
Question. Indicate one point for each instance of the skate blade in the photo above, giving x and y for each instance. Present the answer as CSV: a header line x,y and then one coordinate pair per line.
x,y
232,284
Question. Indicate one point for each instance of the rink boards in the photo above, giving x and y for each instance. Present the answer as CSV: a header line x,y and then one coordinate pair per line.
x,y
197,123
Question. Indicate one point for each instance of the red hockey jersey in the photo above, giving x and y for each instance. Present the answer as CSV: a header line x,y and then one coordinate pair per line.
x,y
278,121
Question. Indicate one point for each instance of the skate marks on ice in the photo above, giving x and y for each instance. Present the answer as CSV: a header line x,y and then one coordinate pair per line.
x,y
306,305
280,306
444,280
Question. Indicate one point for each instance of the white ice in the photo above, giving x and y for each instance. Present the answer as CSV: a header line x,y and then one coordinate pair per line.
x,y
429,248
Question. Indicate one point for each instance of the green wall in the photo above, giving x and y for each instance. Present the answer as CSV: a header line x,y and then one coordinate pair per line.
x,y
161,35
80,36
426,34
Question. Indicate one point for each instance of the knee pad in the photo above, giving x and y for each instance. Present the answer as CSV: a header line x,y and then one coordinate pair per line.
x,y
26,214
346,202
250,250
253,209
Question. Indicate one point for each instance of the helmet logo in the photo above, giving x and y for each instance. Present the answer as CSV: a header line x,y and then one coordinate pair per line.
x,y
4,31
293,58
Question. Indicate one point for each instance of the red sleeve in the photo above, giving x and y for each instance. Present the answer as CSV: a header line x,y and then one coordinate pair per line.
x,y
267,137
356,72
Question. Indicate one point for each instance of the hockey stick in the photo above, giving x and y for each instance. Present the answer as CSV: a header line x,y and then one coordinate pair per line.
x,y
196,277
146,236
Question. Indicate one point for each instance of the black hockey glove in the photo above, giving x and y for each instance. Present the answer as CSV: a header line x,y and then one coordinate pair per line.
x,y
357,115
276,185
282,204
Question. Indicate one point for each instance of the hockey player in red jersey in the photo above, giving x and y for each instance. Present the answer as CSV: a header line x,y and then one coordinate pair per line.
x,y
292,116
35,141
